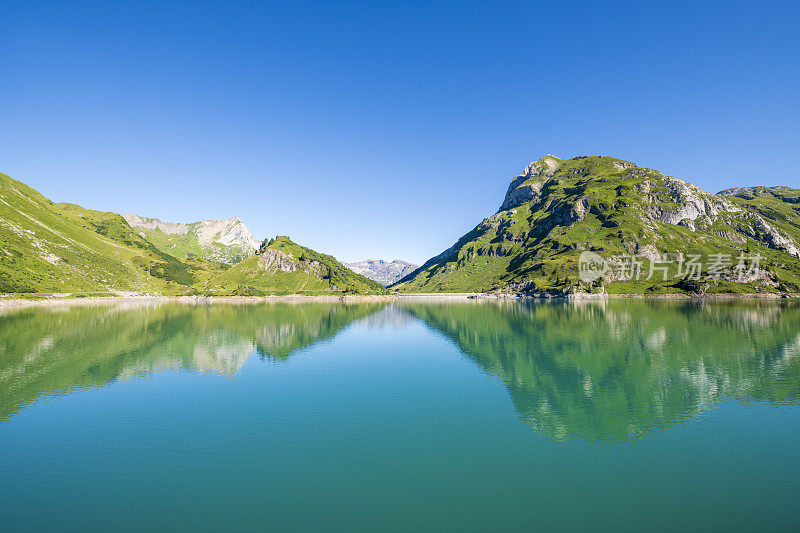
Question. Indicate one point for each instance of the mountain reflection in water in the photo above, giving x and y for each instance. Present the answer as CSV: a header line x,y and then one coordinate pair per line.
x,y
54,350
616,370
598,371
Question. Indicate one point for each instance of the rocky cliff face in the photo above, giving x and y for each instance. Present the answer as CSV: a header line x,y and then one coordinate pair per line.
x,y
384,272
557,208
272,261
227,241
528,185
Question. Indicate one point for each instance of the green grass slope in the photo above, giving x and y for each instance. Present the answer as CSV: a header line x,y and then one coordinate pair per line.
x,y
63,248
560,207
181,246
284,267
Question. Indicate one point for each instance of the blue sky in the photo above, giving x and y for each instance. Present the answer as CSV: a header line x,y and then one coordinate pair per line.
x,y
381,129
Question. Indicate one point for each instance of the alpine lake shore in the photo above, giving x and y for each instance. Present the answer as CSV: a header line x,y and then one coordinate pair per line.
x,y
17,301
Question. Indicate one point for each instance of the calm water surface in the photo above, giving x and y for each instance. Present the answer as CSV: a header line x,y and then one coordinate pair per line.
x,y
407,416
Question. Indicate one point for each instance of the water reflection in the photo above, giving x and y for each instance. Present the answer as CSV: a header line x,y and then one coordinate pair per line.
x,y
616,370
600,371
51,351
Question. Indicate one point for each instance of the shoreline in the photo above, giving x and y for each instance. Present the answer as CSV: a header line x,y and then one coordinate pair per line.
x,y
18,303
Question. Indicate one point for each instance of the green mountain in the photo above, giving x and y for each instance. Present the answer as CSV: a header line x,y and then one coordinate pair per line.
x,y
60,248
283,267
225,241
640,222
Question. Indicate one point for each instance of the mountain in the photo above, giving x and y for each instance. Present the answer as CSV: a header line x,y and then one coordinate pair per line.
x,y
744,240
281,266
226,241
60,248
382,271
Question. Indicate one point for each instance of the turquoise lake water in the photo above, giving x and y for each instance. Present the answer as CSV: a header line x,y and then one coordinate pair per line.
x,y
406,416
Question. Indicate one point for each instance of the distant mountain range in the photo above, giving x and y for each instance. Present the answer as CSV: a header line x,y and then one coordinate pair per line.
x,y
649,234
384,272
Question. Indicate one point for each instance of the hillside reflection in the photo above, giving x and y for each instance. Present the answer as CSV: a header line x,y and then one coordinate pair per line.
x,y
597,371
616,370
52,351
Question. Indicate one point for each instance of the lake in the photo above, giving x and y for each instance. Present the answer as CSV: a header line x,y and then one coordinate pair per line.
x,y
398,416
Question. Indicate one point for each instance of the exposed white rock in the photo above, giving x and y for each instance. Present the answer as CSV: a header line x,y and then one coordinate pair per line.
x,y
229,232
765,232
272,261
275,260
691,201
622,165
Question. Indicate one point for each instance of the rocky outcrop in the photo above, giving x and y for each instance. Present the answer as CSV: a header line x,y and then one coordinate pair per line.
x,y
624,165
528,185
272,261
672,201
760,230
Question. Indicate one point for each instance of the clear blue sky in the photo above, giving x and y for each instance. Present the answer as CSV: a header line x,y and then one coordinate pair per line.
x,y
377,129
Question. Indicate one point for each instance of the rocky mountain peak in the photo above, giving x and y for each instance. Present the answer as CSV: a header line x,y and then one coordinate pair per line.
x,y
526,186
227,240
229,232
382,271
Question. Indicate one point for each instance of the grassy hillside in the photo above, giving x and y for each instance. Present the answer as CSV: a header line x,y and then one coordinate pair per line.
x,y
284,267
181,246
63,248
559,208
